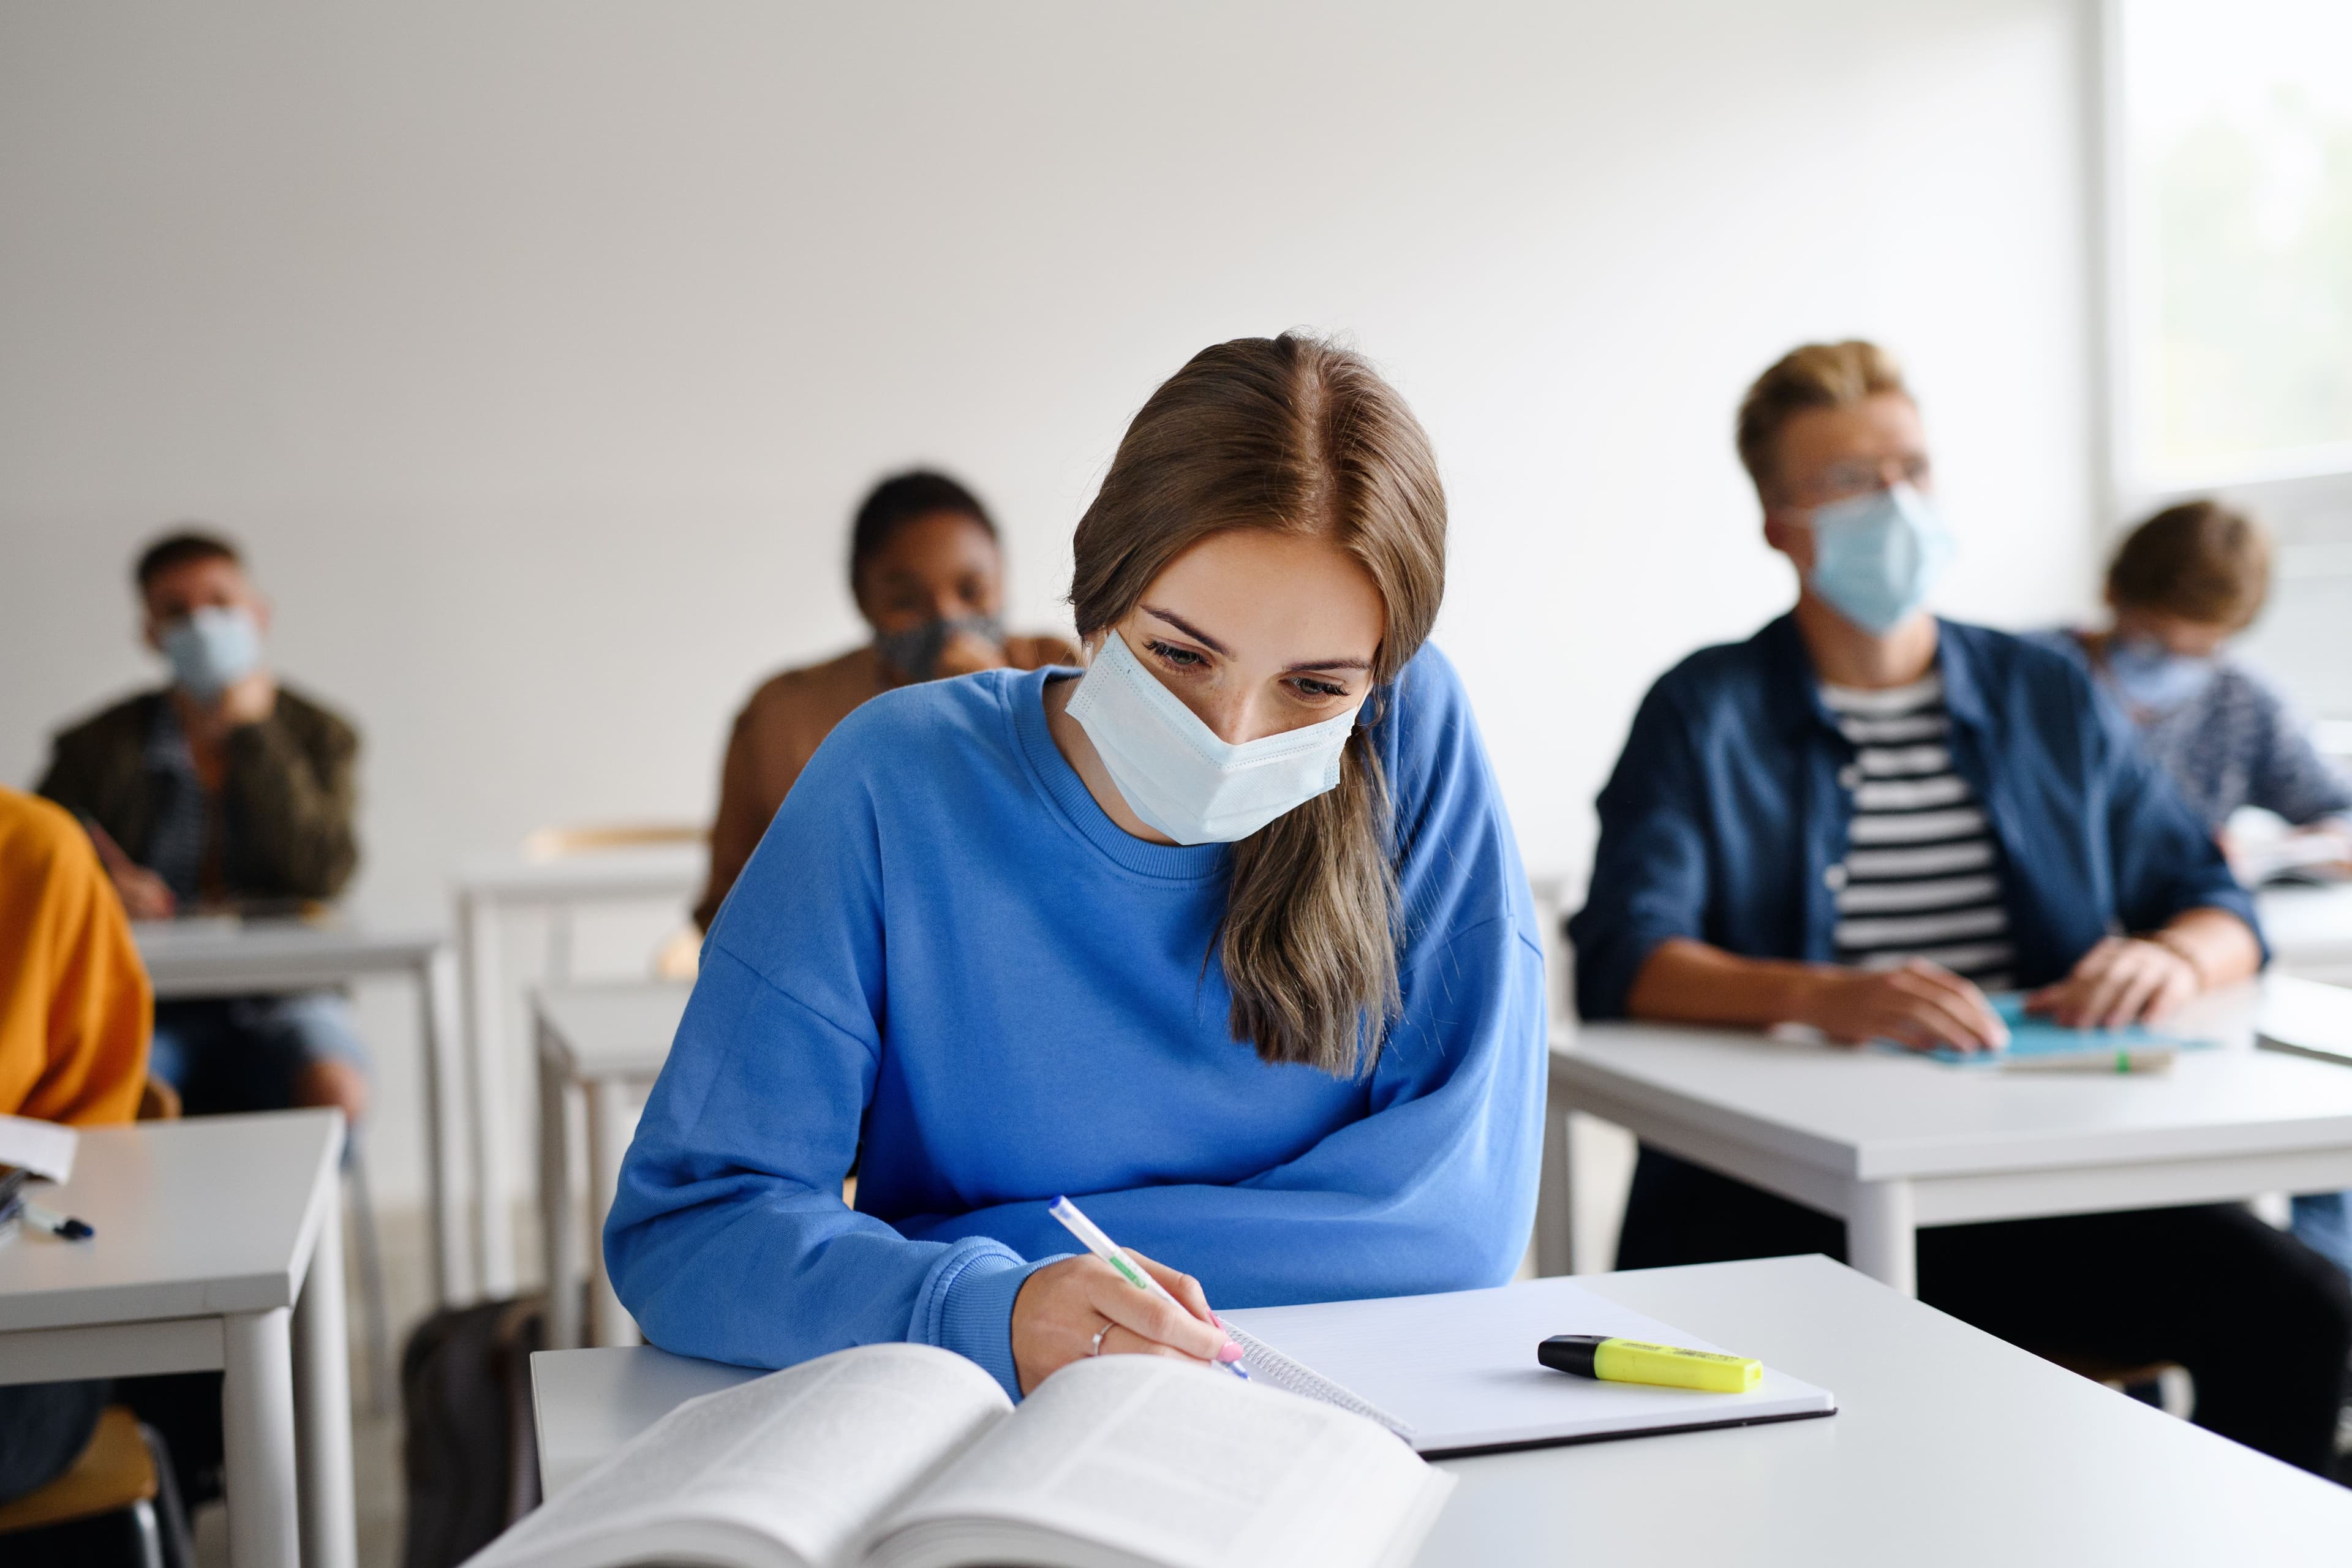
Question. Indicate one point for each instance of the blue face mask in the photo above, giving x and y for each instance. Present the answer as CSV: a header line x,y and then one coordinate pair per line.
x,y
2153,679
211,649
1876,556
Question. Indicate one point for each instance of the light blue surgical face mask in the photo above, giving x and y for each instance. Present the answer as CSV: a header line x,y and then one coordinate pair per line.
x,y
2151,678
1876,556
211,649
1182,778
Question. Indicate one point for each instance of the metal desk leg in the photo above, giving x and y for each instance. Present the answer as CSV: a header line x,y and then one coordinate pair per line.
x,y
1556,1194
322,1391
436,1000
558,1225
486,1082
258,1437
1881,1236
607,1140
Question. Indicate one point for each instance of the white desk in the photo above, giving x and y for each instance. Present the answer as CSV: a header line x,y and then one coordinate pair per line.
x,y
488,888
219,1246
208,958
606,1040
2307,1018
1890,1142
2309,929
1950,1447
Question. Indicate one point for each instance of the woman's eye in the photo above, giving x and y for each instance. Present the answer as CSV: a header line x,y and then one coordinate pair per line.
x,y
1319,689
1182,657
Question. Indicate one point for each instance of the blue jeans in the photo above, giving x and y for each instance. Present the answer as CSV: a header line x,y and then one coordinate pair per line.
x,y
247,1053
2323,1222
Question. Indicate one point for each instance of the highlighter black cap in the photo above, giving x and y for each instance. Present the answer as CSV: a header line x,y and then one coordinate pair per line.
x,y
1570,1353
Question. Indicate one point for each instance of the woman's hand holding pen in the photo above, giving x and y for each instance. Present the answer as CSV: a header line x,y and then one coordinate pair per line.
x,y
1063,1305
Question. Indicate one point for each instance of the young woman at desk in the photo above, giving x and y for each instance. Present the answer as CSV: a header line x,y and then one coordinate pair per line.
x,y
1228,939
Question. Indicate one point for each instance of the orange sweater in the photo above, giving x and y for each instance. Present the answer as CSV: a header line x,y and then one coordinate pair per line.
x,y
75,1006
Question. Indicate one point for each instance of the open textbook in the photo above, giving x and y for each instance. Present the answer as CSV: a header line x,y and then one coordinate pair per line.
x,y
903,1455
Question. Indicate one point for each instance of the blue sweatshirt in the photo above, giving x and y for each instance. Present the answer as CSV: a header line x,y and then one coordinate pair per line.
x,y
946,962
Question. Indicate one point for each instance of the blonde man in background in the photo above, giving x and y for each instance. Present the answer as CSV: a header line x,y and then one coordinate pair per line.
x,y
1864,819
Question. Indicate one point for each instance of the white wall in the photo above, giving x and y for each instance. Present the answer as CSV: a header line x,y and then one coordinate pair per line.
x,y
539,351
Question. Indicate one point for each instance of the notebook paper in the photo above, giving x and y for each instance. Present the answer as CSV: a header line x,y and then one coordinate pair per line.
x,y
1457,1373
44,1148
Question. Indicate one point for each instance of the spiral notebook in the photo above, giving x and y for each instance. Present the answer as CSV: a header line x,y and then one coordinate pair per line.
x,y
1456,1373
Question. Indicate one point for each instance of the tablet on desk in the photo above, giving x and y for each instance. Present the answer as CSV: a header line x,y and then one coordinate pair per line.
x,y
2037,1043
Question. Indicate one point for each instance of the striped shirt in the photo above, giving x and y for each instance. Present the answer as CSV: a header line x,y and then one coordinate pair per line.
x,y
1922,876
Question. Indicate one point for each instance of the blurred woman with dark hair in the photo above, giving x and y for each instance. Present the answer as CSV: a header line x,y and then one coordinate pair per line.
x,y
929,577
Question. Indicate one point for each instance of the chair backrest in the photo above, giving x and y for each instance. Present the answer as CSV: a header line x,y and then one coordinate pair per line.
x,y
587,838
115,1471
158,1101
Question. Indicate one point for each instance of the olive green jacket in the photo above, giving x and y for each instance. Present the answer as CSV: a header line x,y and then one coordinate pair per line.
x,y
288,793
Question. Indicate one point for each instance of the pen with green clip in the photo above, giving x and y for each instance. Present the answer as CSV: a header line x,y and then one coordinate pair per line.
x,y
1091,1237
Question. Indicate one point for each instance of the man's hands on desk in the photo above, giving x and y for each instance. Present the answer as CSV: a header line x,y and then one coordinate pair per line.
x,y
1919,1005
1923,1005
2123,980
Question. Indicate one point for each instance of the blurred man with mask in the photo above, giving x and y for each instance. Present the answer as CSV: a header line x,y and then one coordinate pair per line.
x,y
1864,819
929,577
223,790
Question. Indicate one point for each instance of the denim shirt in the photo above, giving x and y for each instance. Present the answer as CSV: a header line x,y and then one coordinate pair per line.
x,y
1728,812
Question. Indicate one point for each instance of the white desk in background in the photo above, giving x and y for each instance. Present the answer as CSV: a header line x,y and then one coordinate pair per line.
x,y
1948,1447
486,890
1890,1142
218,1244
2309,929
206,957
608,1041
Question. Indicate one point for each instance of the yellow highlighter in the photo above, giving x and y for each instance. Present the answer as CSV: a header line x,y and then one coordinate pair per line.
x,y
1638,1361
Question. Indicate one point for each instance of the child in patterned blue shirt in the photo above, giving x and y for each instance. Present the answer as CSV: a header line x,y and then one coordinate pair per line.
x,y
2181,584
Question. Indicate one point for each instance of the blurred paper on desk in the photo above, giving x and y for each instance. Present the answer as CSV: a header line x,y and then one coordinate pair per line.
x,y
44,1148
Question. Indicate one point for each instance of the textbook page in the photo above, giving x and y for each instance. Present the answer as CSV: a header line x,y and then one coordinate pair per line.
x,y
788,1470
1133,1459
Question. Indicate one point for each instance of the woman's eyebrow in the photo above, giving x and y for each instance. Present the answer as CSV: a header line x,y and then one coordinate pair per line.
x,y
1188,629
1197,635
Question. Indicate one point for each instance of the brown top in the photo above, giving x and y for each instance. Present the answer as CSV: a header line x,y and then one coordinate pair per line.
x,y
780,730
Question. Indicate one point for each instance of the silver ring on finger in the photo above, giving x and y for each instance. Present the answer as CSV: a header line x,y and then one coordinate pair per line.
x,y
1107,1326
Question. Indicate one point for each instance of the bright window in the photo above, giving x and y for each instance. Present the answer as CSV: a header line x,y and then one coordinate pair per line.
x,y
2236,156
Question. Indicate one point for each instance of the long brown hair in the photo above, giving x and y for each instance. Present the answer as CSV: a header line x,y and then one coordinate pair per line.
x,y
1293,434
